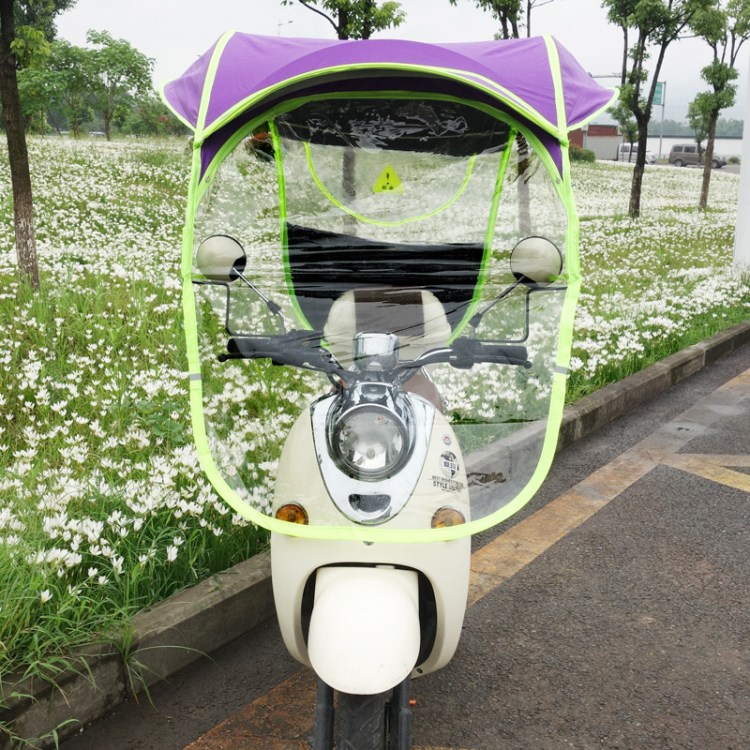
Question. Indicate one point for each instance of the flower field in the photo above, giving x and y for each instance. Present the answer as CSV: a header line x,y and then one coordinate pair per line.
x,y
656,285
103,508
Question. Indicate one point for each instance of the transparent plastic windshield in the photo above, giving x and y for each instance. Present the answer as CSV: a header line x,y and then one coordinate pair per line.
x,y
379,287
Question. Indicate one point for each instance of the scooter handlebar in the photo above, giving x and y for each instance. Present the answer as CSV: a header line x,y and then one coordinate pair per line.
x,y
304,349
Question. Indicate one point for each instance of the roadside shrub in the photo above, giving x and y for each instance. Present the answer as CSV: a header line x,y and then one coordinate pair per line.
x,y
582,154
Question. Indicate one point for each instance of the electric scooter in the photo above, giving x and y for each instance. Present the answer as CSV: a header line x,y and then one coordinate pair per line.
x,y
394,221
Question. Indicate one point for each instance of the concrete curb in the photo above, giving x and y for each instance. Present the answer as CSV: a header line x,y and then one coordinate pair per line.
x,y
199,620
165,638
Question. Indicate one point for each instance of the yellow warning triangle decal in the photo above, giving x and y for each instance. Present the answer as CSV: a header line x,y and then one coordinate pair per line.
x,y
388,182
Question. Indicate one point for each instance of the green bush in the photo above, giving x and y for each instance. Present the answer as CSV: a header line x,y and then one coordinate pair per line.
x,y
582,154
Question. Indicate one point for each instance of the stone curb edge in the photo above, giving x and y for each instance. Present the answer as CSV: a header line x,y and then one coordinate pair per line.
x,y
201,619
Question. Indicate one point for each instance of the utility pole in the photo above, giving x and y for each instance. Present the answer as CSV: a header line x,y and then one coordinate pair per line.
x,y
742,232
660,97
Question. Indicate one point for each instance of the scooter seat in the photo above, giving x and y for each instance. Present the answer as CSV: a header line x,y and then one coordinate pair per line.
x,y
416,316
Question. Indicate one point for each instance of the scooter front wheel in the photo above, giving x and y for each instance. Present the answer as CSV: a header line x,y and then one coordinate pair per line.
x,y
361,722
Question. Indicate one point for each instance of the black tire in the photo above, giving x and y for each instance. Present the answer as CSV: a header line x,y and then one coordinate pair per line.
x,y
322,738
677,162
361,722
716,165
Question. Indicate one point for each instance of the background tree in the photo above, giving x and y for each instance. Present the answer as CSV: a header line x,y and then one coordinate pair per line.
x,y
513,15
118,73
62,85
149,116
16,43
725,27
40,15
70,71
355,19
699,112
655,25
23,212
36,97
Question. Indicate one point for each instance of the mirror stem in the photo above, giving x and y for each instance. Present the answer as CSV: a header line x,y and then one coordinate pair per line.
x,y
477,317
272,306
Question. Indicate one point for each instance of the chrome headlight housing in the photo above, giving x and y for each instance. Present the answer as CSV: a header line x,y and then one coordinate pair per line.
x,y
370,437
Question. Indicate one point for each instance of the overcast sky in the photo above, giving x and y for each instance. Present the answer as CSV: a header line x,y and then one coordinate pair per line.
x,y
174,32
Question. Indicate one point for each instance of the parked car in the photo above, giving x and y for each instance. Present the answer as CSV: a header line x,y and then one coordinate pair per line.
x,y
623,154
683,154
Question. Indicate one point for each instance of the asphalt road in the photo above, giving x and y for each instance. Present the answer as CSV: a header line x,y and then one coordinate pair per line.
x,y
630,632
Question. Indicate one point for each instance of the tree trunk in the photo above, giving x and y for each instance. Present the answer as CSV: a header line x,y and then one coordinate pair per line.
x,y
367,19
528,18
709,157
108,124
524,203
342,30
348,178
514,27
18,156
624,74
634,210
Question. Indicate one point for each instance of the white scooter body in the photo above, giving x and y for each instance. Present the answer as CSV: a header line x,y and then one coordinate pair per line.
x,y
364,616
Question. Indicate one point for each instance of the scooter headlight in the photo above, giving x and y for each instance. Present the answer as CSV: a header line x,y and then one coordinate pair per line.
x,y
370,442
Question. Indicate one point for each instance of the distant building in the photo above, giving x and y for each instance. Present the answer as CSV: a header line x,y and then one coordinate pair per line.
x,y
603,140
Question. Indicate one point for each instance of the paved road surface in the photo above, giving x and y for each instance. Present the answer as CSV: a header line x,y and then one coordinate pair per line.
x,y
612,613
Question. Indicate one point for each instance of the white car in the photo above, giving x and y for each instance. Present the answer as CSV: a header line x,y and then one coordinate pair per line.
x,y
623,154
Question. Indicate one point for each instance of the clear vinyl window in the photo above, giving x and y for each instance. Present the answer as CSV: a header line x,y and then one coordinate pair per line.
x,y
368,233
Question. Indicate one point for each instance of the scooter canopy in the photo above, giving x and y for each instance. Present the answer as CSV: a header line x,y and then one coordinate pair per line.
x,y
243,76
397,218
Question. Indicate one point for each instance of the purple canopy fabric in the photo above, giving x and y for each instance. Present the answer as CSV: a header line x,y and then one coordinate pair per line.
x,y
523,75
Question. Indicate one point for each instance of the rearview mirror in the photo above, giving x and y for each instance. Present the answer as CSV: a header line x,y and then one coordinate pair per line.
x,y
221,258
536,260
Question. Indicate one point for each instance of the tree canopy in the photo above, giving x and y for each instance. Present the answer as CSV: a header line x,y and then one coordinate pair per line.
x,y
95,86
513,15
40,15
118,72
355,19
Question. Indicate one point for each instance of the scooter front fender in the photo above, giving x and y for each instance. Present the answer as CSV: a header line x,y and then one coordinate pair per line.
x,y
364,631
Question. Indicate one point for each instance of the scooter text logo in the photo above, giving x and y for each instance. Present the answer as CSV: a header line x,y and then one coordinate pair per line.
x,y
449,464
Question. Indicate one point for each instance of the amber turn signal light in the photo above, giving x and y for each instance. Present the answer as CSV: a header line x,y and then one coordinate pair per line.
x,y
446,517
292,513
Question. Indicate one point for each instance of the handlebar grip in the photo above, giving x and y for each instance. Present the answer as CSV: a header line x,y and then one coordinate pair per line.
x,y
295,348
506,354
250,347
467,352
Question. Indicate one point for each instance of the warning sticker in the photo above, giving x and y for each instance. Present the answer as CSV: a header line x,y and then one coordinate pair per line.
x,y
388,182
